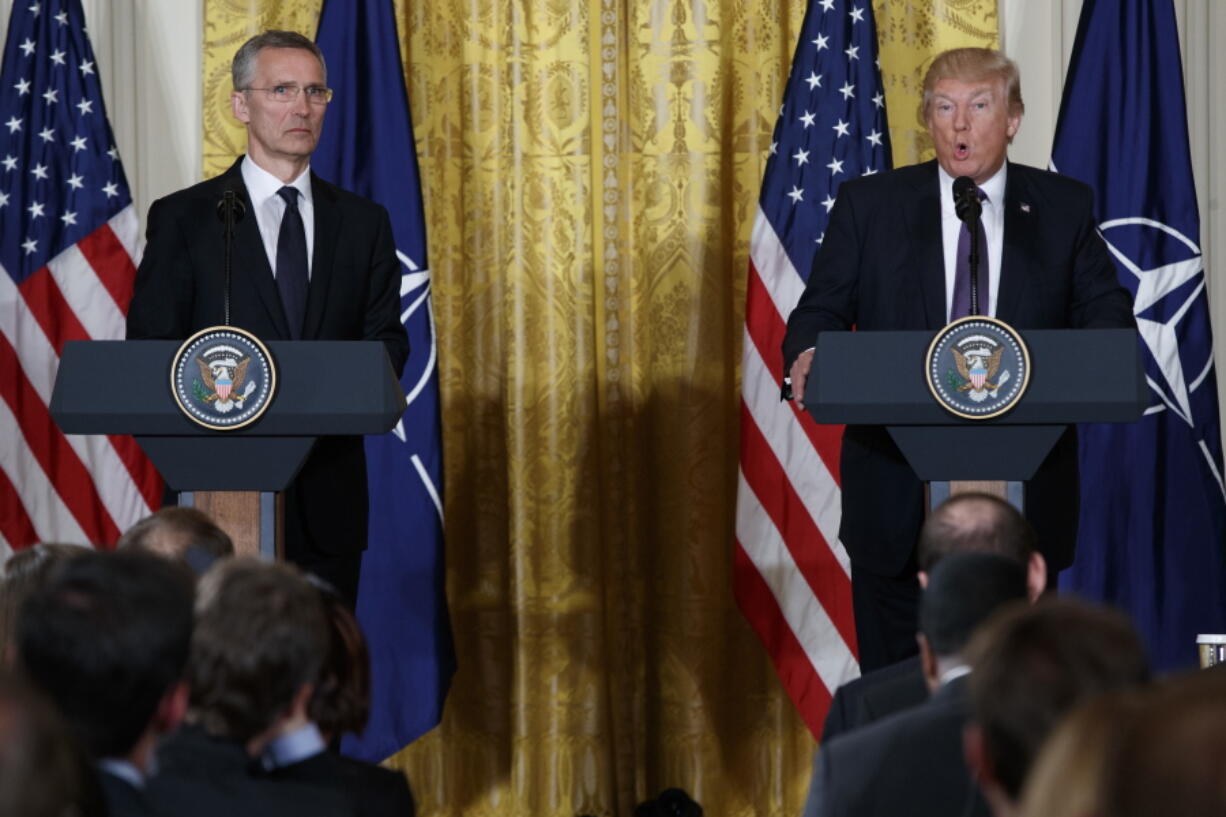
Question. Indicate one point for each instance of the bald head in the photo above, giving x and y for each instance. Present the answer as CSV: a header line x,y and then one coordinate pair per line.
x,y
975,523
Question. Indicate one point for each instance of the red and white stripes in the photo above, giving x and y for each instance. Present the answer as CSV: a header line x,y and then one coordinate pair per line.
x,y
57,487
791,573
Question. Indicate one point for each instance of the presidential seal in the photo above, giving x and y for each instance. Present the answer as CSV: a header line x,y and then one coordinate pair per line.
x,y
977,367
223,378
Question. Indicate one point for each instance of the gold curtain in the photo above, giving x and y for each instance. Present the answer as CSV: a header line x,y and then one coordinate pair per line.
x,y
590,171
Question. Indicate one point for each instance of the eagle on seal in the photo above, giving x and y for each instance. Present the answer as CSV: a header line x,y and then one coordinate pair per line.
x,y
978,369
206,374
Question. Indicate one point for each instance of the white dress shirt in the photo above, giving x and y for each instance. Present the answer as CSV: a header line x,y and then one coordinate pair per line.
x,y
262,189
993,219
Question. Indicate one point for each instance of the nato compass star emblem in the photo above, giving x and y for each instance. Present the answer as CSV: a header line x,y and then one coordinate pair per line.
x,y
1168,287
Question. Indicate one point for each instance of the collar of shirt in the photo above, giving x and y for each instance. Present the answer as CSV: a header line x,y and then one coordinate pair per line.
x,y
123,769
262,189
954,673
993,220
286,750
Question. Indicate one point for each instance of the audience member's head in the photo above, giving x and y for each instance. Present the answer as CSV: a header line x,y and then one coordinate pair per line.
x,y
1032,665
341,701
181,533
981,523
44,772
25,571
259,644
670,803
963,590
1171,758
106,638
1067,777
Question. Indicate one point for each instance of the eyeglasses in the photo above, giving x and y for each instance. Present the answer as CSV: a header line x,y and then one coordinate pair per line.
x,y
289,93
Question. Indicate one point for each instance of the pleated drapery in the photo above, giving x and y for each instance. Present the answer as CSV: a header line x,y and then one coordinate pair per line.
x,y
591,172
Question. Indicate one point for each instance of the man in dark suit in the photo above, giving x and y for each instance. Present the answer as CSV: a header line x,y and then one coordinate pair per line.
x,y
889,260
311,262
340,704
107,640
911,763
1034,665
966,523
256,653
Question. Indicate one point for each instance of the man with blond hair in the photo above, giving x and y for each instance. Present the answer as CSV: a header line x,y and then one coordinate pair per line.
x,y
894,258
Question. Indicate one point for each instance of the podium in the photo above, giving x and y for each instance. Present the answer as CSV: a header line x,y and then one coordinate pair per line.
x,y
324,388
877,378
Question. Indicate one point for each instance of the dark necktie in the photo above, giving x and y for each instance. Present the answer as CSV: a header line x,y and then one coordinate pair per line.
x,y
962,271
292,262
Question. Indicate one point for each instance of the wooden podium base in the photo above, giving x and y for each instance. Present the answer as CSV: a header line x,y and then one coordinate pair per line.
x,y
251,518
937,492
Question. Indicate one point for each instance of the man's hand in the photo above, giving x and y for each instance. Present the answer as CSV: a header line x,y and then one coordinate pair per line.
x,y
799,373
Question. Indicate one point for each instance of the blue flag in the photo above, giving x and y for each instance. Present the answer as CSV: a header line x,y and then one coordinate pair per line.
x,y
367,147
1153,509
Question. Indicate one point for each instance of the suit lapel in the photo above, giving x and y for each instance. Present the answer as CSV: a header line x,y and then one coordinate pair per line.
x,y
250,259
1020,236
327,235
923,219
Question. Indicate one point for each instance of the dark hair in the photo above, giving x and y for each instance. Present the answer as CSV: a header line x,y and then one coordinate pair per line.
x,y
24,572
242,69
44,772
187,534
260,636
106,638
963,591
975,523
341,701
1035,663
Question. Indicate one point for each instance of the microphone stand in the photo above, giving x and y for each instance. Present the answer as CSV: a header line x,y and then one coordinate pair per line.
x,y
230,209
975,225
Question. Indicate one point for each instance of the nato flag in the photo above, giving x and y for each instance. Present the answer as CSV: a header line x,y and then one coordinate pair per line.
x,y
1153,510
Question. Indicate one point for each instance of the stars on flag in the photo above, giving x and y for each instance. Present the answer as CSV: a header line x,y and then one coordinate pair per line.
x,y
832,123
52,130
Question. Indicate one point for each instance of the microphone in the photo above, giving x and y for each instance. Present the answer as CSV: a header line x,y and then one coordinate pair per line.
x,y
966,199
968,207
231,205
230,210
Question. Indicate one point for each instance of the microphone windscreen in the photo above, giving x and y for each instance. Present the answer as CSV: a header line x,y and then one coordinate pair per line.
x,y
966,198
233,202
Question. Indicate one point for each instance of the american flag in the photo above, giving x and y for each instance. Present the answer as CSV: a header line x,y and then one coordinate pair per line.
x,y
791,575
68,237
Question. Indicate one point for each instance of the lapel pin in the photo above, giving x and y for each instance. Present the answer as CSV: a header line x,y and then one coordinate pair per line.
x,y
1025,207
